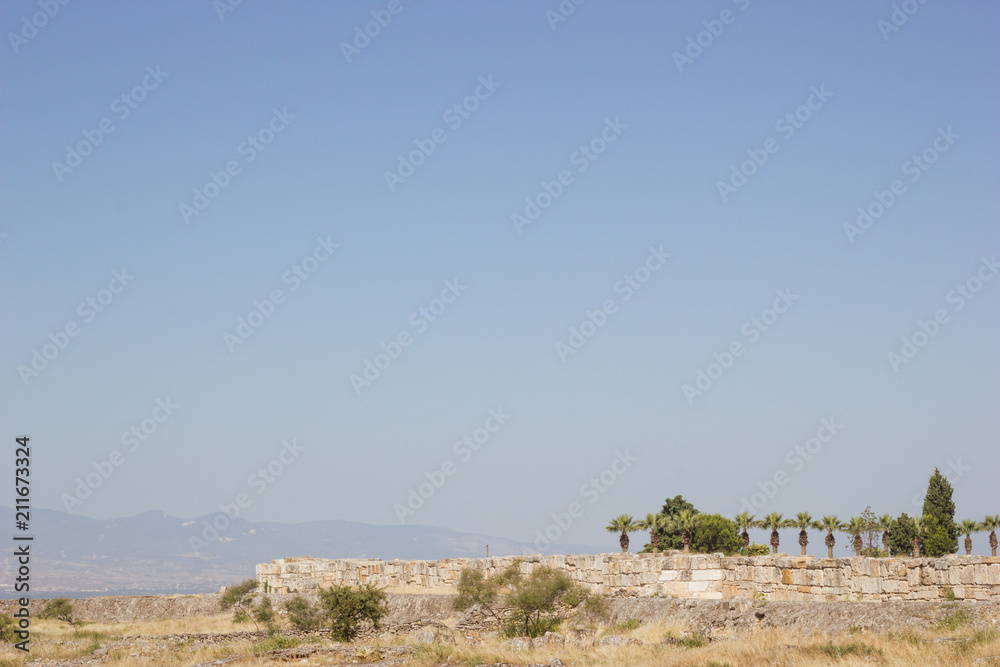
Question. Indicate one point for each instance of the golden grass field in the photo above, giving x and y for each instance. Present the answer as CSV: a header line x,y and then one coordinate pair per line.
x,y
953,644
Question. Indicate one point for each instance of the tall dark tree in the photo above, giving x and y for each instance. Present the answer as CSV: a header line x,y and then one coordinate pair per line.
x,y
942,533
900,535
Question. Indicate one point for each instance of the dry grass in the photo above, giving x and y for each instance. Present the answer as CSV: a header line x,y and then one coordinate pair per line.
x,y
963,643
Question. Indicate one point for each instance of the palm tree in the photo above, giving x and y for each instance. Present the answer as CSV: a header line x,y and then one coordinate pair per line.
x,y
775,521
830,523
804,521
920,524
685,520
653,523
624,524
855,526
968,526
991,523
745,520
885,523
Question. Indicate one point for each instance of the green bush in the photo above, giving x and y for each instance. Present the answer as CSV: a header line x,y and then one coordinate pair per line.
x,y
953,621
348,607
8,629
532,605
264,613
693,641
624,626
60,609
275,642
844,650
303,615
758,550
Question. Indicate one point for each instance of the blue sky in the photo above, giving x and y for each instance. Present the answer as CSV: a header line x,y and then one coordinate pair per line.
x,y
200,87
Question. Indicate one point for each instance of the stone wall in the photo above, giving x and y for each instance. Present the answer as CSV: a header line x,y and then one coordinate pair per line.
x,y
705,577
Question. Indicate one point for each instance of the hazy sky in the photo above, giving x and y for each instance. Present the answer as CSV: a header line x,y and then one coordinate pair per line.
x,y
624,239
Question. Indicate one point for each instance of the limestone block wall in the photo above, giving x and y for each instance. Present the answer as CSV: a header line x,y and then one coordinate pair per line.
x,y
706,577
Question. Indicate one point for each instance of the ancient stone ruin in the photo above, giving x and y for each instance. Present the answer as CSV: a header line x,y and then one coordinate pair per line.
x,y
704,577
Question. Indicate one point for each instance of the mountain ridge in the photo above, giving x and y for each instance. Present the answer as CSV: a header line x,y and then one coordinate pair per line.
x,y
153,552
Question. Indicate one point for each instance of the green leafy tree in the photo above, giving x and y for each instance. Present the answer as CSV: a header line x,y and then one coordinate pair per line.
x,y
804,522
870,533
535,601
830,523
901,534
991,523
624,524
745,521
348,607
757,550
775,522
939,508
968,527
670,535
61,609
239,598
714,533
474,588
525,605
303,614
653,523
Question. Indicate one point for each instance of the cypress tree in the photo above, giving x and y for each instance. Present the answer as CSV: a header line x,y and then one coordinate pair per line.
x,y
942,532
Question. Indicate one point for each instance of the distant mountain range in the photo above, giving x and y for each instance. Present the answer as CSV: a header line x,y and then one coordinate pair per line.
x,y
153,553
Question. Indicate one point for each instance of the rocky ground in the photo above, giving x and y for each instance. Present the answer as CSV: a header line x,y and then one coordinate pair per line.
x,y
416,622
